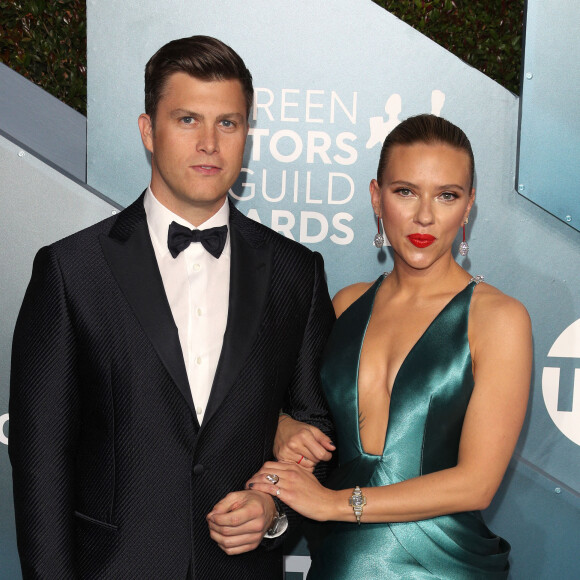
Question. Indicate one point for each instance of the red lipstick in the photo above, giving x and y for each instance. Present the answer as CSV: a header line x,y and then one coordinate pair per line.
x,y
421,240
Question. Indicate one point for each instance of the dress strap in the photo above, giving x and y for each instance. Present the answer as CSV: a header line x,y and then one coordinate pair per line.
x,y
477,279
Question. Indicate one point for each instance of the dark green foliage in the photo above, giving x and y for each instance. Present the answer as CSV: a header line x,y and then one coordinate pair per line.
x,y
46,41
487,34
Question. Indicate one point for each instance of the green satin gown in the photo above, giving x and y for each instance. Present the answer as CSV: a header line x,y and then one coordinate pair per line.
x,y
428,404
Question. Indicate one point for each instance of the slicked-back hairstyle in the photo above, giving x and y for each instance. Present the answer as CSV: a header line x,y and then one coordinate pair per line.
x,y
426,129
202,57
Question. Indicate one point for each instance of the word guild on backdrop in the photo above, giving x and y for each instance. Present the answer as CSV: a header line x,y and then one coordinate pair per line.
x,y
308,132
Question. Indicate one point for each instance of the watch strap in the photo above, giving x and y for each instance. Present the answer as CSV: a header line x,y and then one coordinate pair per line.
x,y
280,523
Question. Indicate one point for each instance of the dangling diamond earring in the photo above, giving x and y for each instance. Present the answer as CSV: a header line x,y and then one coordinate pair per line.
x,y
464,246
379,239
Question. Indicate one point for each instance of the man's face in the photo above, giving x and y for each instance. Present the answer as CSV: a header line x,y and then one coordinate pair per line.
x,y
196,144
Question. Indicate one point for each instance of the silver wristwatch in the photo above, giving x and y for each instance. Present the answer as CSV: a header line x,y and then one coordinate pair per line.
x,y
280,522
357,500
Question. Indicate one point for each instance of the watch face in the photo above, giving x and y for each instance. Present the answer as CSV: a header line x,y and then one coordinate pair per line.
x,y
279,526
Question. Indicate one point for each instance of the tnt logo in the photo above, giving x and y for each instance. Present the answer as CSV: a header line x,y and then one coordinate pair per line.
x,y
3,421
561,383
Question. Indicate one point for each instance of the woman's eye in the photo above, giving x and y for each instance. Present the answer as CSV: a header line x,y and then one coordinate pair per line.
x,y
404,191
448,196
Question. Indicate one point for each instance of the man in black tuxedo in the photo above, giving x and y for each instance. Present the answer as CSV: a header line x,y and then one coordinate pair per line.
x,y
154,351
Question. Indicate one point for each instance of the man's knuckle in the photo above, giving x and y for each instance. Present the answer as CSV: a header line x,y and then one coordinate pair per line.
x,y
234,521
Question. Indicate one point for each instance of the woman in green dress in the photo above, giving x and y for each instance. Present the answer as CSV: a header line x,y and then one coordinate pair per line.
x,y
427,374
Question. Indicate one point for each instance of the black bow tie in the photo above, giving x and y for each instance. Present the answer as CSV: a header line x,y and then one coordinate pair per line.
x,y
212,239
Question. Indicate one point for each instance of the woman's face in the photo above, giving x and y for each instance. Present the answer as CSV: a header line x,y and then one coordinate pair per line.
x,y
424,199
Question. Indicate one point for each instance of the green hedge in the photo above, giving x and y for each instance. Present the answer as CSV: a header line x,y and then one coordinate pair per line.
x,y
487,34
46,41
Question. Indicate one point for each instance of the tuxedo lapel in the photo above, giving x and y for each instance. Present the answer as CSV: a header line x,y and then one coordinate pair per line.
x,y
129,252
250,274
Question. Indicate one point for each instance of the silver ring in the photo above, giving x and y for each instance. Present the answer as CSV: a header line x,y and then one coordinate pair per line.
x,y
278,491
272,478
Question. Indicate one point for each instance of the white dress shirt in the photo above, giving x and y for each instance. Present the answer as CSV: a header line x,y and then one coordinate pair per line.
x,y
197,286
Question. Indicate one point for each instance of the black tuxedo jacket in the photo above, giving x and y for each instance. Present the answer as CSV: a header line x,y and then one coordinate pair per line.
x,y
113,475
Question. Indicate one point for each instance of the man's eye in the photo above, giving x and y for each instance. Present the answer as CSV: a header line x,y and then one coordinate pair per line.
x,y
227,123
187,120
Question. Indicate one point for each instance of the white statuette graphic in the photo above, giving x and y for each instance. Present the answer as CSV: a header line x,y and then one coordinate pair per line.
x,y
437,102
378,127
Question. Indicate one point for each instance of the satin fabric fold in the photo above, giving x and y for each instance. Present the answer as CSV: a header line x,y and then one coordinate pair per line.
x,y
428,404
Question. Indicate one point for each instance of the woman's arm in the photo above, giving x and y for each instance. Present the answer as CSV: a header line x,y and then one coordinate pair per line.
x,y
301,443
500,342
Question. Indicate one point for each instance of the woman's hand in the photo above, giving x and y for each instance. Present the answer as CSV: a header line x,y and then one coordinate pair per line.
x,y
296,487
301,443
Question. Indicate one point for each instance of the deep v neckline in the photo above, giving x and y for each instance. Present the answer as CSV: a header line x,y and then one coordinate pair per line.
x,y
403,364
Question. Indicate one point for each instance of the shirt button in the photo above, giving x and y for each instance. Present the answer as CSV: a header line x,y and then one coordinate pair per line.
x,y
198,469
198,360
196,267
199,410
199,311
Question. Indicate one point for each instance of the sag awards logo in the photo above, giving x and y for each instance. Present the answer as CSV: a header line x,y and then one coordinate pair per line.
x,y
561,382
307,162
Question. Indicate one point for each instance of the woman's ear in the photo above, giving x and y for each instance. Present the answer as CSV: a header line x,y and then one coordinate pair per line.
x,y
469,205
375,190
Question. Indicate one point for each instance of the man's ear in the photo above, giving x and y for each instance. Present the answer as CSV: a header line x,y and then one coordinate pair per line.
x,y
146,130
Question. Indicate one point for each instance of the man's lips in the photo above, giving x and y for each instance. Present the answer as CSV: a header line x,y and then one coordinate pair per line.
x,y
206,169
421,240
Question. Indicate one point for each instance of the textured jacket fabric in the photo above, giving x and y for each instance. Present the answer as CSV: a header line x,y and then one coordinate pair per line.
x,y
113,475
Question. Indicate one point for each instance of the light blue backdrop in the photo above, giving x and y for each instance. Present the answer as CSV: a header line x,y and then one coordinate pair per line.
x,y
549,160
332,79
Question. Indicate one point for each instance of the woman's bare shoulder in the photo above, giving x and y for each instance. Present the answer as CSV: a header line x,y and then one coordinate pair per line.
x,y
496,314
345,297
